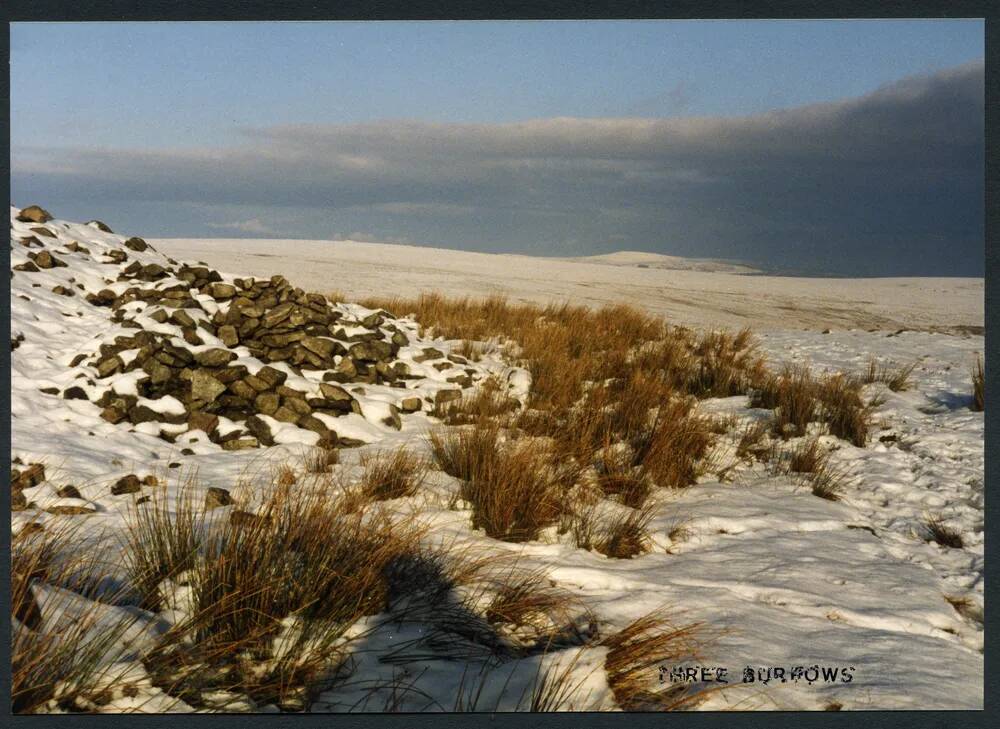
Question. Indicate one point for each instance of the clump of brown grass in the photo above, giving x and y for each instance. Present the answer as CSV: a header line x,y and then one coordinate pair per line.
x,y
843,410
529,611
272,596
935,530
515,489
812,462
391,474
320,460
471,350
753,441
792,395
727,364
670,449
516,492
636,654
619,534
286,475
897,378
162,542
631,489
827,482
978,386
60,664
807,457
461,453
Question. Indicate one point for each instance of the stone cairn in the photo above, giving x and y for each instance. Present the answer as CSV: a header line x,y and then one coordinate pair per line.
x,y
273,320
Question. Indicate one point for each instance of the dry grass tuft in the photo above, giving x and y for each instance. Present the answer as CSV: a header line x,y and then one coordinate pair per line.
x,y
897,378
978,386
636,654
320,460
843,410
807,457
286,476
792,395
162,542
753,442
391,474
669,451
936,531
461,453
516,492
516,489
727,365
60,664
271,597
619,534
828,483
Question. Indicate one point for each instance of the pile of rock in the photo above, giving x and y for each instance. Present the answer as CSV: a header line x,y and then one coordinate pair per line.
x,y
199,384
236,358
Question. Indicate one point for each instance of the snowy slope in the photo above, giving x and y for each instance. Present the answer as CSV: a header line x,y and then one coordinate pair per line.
x,y
786,578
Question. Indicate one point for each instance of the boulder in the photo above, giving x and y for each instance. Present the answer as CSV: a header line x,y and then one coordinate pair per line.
x,y
206,422
126,485
221,291
267,403
75,393
109,366
257,383
227,333
44,259
410,404
152,271
242,390
286,415
260,430
29,477
320,346
114,414
214,357
204,387
428,353
142,414
100,226
136,244
239,444
80,507
34,214
392,419
216,497
443,396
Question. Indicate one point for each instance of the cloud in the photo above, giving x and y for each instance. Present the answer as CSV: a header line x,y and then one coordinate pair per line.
x,y
889,181
255,226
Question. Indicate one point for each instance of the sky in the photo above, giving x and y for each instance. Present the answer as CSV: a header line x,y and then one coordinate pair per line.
x,y
841,147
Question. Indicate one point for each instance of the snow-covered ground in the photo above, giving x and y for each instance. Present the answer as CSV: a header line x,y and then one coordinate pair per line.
x,y
785,578
688,297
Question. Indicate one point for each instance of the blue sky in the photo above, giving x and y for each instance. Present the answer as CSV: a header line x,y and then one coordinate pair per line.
x,y
223,91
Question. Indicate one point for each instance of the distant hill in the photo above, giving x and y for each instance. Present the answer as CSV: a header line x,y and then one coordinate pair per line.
x,y
640,259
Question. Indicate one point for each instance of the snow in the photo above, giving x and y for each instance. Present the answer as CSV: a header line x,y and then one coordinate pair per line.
x,y
781,577
688,297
